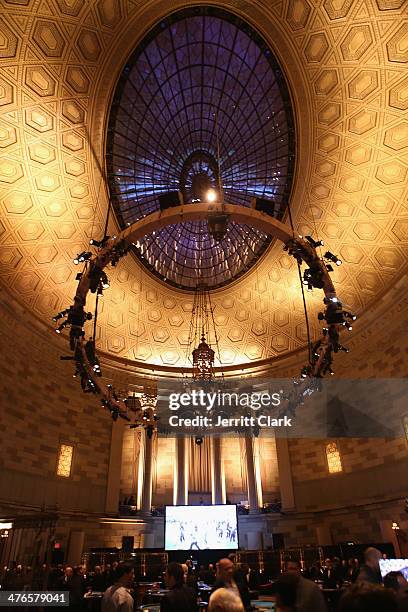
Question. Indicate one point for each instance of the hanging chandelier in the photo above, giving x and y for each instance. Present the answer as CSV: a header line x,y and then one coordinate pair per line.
x,y
144,409
202,332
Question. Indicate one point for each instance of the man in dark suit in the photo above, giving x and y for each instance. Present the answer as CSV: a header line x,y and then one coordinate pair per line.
x,y
308,598
179,597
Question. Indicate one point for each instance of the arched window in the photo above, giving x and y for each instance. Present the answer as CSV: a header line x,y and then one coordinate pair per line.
x,y
64,465
333,458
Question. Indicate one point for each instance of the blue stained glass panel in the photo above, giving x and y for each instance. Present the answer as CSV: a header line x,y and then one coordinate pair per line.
x,y
198,68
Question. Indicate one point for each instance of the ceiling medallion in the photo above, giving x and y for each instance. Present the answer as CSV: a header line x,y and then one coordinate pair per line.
x,y
111,249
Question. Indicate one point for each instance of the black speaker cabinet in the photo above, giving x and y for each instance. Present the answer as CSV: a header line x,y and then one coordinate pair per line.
x,y
128,543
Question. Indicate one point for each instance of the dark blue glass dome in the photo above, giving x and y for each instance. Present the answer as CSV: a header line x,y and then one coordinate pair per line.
x,y
200,73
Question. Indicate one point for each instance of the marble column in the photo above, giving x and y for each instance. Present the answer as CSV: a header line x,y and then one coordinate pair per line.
x,y
146,502
285,474
217,471
115,465
75,547
180,494
251,480
256,445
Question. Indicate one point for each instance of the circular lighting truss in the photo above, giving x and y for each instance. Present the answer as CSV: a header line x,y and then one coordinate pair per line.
x,y
94,279
201,102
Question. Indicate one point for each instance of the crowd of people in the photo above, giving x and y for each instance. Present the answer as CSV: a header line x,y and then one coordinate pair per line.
x,y
229,586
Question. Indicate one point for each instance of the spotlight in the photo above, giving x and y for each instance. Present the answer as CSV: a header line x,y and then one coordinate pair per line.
x,y
198,440
314,243
217,226
305,371
99,243
333,258
211,195
81,257
60,315
314,277
334,314
264,206
104,281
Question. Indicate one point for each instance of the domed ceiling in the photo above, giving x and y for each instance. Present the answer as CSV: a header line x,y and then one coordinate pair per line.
x,y
345,63
201,102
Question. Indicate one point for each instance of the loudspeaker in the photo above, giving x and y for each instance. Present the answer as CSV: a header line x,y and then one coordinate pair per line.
x,y
128,543
57,556
168,200
278,541
265,206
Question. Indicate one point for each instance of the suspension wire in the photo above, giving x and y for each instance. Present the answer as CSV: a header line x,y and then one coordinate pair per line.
x,y
217,135
105,231
191,331
217,345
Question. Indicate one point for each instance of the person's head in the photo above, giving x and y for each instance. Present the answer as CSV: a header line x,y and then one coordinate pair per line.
x,y
372,558
185,571
115,565
125,574
174,575
225,569
69,571
231,557
396,581
244,568
225,600
284,590
368,598
328,563
98,569
293,566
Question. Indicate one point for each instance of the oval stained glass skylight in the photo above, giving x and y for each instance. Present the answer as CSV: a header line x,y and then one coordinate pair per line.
x,y
201,100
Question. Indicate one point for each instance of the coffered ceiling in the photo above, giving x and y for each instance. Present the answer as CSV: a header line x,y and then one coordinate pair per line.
x,y
346,65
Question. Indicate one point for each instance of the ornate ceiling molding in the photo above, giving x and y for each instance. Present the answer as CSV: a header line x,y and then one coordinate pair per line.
x,y
346,69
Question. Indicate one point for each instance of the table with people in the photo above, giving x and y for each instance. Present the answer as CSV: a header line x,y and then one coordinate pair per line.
x,y
224,586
